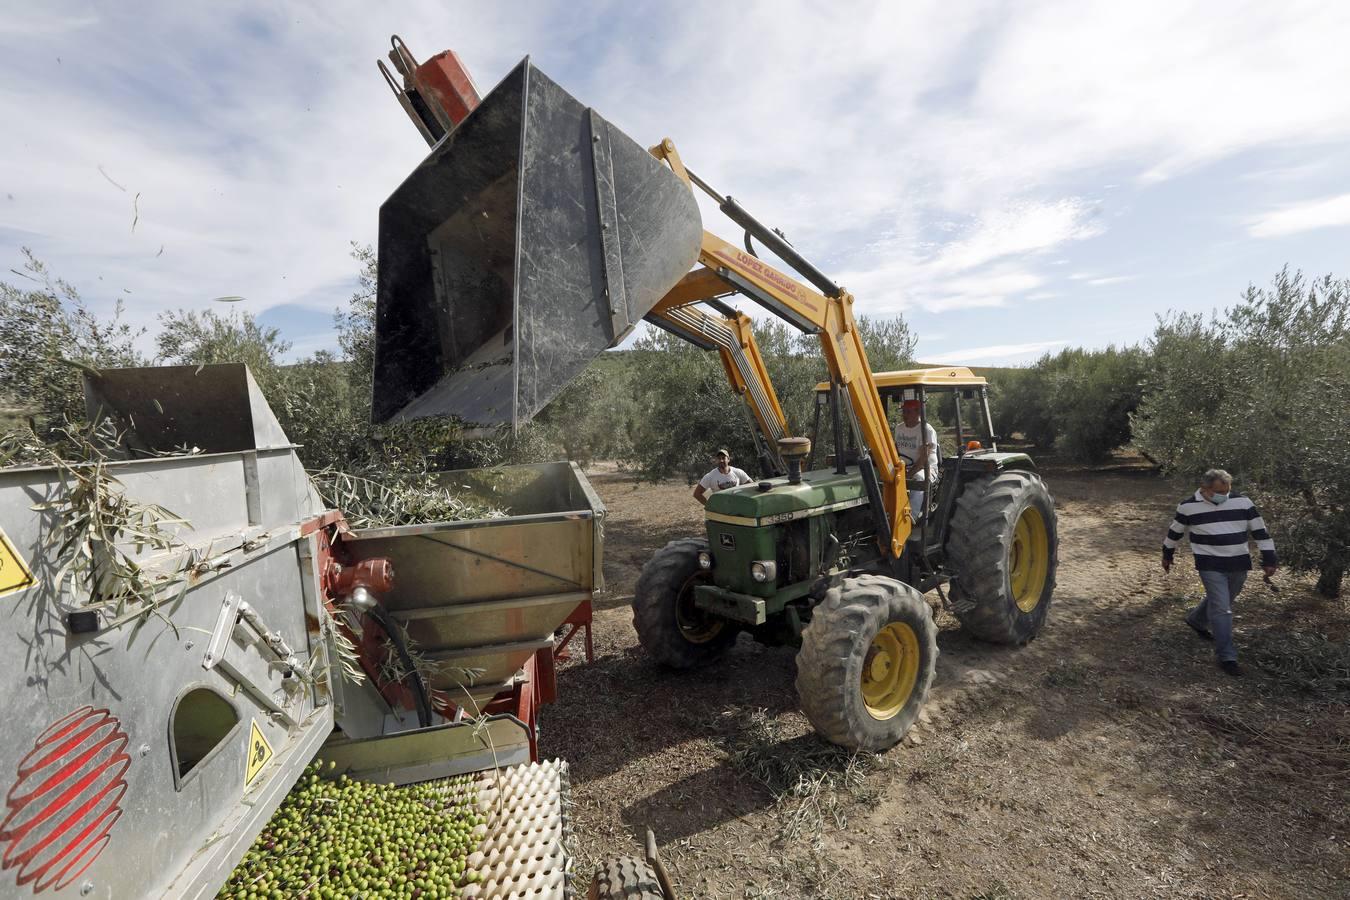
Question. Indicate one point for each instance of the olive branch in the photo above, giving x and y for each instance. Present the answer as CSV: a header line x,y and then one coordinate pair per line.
x,y
96,532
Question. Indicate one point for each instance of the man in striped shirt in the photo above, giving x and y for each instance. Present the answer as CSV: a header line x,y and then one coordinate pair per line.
x,y
1220,524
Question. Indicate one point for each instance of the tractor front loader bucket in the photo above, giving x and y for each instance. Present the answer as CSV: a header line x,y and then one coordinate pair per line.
x,y
534,236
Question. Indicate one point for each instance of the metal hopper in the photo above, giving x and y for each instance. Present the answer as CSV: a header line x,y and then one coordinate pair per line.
x,y
534,236
199,700
487,594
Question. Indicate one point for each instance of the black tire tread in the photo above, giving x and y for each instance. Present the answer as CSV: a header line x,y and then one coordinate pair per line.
x,y
829,663
653,608
978,541
625,878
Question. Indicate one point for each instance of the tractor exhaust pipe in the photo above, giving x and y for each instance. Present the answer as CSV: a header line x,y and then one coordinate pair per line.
x,y
793,451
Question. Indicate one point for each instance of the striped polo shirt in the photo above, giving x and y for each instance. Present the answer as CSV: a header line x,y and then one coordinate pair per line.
x,y
1219,534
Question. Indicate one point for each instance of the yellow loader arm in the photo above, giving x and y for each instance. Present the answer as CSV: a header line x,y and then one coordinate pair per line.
x,y
535,235
827,313
730,334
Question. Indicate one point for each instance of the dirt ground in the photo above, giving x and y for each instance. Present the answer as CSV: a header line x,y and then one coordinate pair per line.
x,y
1108,758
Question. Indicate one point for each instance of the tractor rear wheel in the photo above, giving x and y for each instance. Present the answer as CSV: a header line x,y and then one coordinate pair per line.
x,y
669,626
867,662
625,878
1003,546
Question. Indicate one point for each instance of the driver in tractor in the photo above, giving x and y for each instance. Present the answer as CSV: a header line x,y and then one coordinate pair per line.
x,y
911,445
723,476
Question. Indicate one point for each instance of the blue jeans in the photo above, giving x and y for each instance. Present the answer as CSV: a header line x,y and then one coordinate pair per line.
x,y
1215,612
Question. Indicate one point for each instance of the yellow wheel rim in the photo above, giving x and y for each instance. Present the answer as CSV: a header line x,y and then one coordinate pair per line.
x,y
890,670
1029,559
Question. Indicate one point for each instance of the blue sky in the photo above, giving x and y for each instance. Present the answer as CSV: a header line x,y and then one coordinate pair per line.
x,y
1011,177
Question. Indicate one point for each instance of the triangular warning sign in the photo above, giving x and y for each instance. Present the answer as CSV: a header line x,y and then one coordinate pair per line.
x,y
14,572
259,752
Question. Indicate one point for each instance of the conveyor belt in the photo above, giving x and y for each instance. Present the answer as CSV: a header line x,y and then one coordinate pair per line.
x,y
526,841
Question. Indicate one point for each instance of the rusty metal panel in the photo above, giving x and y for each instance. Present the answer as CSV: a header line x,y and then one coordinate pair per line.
x,y
461,625
444,83
484,594
490,559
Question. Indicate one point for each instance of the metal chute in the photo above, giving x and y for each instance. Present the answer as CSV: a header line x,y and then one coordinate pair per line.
x,y
534,236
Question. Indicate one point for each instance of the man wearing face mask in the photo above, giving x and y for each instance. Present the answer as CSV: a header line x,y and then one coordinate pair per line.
x,y
1220,523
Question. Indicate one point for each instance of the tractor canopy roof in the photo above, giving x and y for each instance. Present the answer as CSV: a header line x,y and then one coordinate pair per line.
x,y
935,379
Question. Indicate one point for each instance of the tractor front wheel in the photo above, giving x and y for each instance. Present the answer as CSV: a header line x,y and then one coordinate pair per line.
x,y
669,626
867,662
1003,547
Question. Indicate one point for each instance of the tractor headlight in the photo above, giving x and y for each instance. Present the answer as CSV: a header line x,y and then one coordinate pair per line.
x,y
764,570
704,559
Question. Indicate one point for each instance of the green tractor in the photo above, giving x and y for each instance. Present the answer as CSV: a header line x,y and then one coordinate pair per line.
x,y
535,235
795,561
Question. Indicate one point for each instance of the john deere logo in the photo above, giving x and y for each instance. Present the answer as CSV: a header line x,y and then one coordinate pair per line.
x,y
727,540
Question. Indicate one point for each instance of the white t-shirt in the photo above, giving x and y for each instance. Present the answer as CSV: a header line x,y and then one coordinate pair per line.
x,y
907,442
715,481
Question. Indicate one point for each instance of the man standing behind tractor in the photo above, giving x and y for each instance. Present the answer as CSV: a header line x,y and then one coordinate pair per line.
x,y
724,476
1220,523
912,447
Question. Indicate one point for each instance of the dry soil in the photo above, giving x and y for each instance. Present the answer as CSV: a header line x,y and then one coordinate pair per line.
x,y
1107,758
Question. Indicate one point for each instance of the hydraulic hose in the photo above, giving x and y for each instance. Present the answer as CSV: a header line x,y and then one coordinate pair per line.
x,y
419,687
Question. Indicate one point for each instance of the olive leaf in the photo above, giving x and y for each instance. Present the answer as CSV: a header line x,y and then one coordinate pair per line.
x,y
95,532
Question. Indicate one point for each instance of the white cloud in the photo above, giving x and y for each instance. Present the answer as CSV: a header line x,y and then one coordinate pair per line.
x,y
1100,280
998,353
1158,87
985,289
1328,212
1019,228
933,156
1289,173
988,261
255,148
32,20
909,284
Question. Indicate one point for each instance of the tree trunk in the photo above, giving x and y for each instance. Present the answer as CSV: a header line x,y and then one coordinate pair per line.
x,y
1329,583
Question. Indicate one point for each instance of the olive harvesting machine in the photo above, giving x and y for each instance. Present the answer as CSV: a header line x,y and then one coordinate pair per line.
x,y
169,676
536,235
166,686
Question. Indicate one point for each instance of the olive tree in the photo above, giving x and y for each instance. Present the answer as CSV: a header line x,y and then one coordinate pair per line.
x,y
1079,401
1263,390
684,408
1022,404
1095,393
49,336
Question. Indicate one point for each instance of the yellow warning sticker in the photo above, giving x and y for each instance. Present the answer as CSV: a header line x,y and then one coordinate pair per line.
x,y
259,752
14,572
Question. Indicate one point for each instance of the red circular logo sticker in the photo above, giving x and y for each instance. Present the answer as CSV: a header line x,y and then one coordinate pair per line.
x,y
65,802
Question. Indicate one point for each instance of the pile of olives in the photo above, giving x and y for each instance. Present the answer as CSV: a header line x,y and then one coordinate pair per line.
x,y
340,838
